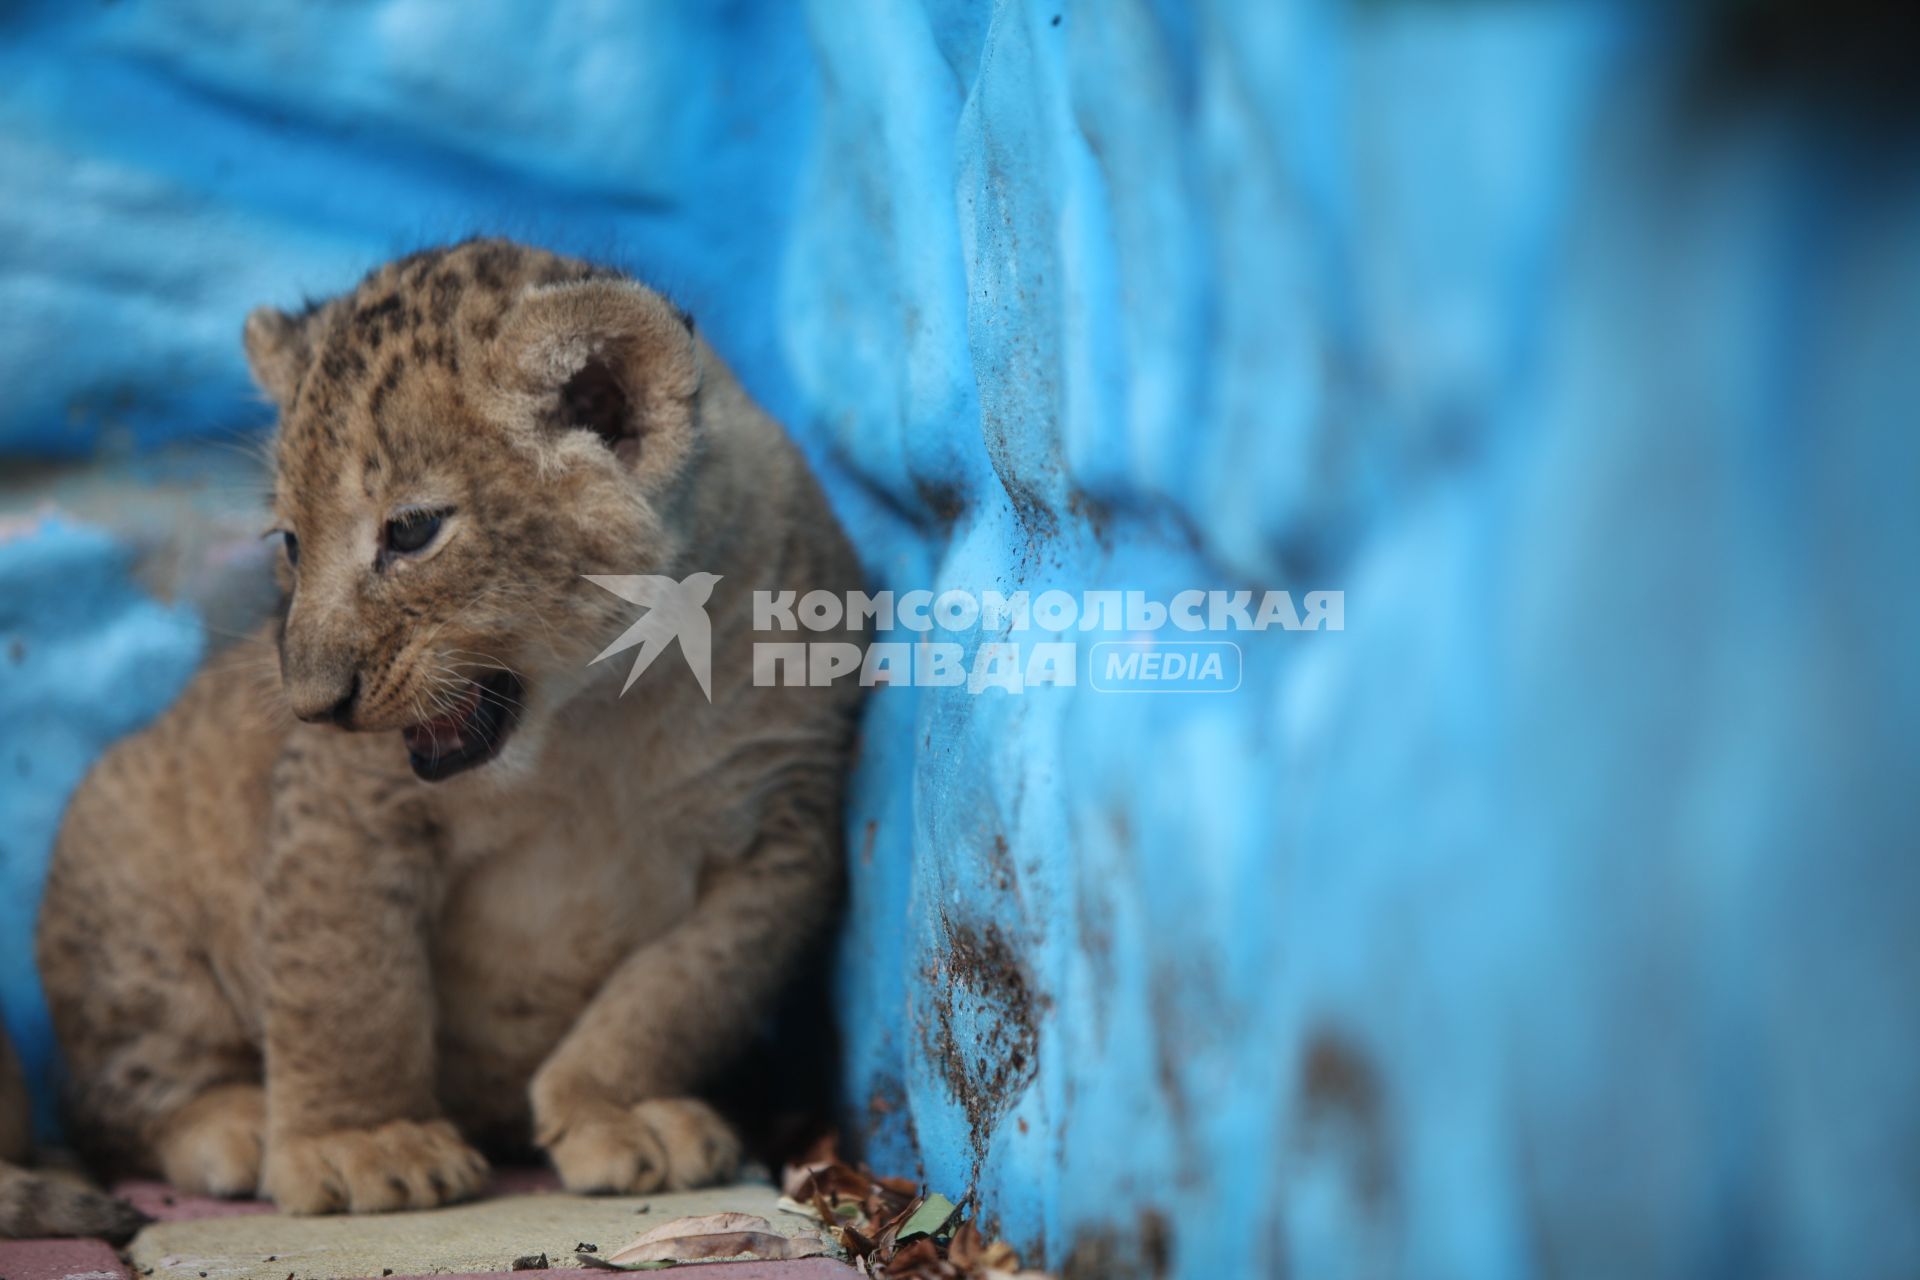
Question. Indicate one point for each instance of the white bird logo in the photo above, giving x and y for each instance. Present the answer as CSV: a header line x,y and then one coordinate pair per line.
x,y
674,611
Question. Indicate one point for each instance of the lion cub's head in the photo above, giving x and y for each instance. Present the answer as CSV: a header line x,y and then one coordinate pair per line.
x,y
462,437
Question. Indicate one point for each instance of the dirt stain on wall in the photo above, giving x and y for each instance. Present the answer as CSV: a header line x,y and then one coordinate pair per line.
x,y
981,1030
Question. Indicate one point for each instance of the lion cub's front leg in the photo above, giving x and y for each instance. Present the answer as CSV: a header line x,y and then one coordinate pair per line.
x,y
352,1120
610,1104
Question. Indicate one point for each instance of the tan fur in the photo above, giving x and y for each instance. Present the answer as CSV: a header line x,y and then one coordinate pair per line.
x,y
275,957
38,1204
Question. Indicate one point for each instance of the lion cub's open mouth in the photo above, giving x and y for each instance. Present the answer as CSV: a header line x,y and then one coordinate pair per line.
x,y
470,732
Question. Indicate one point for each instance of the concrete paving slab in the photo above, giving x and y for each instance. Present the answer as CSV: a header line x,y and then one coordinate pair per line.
x,y
480,1238
162,1203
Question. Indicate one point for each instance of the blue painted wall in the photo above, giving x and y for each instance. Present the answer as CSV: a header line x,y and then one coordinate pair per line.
x,y
1555,917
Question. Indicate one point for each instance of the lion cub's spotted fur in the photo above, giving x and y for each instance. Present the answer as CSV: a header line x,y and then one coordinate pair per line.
x,y
276,958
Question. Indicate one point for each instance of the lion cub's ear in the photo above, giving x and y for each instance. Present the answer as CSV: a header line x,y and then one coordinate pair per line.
x,y
607,357
279,349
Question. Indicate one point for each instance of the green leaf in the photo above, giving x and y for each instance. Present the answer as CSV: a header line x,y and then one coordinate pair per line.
x,y
934,1213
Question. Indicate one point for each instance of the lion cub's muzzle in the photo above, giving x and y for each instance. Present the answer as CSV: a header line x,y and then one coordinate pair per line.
x,y
470,731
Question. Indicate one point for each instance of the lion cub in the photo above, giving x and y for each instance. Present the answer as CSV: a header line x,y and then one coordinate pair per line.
x,y
429,879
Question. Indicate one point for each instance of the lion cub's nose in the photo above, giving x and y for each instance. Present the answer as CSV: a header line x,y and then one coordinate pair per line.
x,y
321,701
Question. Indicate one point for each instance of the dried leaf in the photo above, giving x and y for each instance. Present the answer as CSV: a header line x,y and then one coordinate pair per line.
x,y
919,1255
853,1242
888,1235
806,1246
966,1249
889,1231
999,1256
713,1235
797,1182
594,1262
789,1205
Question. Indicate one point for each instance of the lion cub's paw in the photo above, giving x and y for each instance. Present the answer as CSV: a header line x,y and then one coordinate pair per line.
x,y
212,1147
662,1144
401,1165
701,1148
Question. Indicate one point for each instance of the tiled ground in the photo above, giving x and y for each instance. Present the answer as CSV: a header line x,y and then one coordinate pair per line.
x,y
523,1214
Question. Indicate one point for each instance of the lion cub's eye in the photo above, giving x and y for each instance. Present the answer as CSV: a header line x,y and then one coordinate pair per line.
x,y
413,530
293,546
